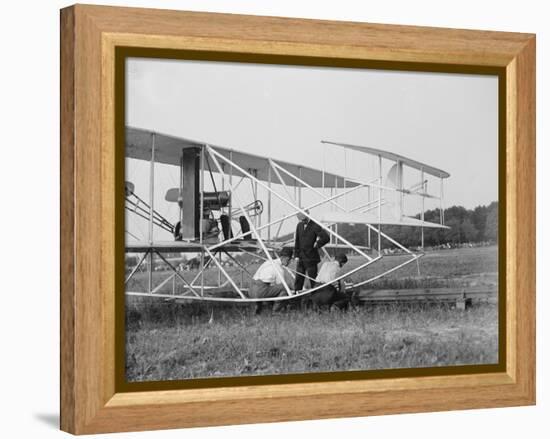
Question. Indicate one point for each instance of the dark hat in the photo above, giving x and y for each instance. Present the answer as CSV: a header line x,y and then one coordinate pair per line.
x,y
285,252
341,257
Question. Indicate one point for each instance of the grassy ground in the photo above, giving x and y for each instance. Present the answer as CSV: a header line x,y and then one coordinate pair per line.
x,y
237,343
177,341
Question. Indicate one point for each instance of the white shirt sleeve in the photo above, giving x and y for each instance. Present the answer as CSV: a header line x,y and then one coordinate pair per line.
x,y
281,271
328,272
266,272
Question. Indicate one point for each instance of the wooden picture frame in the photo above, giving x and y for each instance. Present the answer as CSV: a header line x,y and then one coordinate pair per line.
x,y
91,400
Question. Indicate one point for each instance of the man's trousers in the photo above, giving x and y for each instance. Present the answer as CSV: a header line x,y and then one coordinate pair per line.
x,y
310,269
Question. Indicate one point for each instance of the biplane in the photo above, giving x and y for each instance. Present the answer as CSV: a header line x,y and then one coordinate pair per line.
x,y
218,219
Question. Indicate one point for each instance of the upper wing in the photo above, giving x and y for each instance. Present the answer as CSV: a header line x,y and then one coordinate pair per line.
x,y
394,157
168,151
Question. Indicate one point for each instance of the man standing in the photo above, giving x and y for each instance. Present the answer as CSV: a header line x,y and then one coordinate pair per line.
x,y
267,281
309,238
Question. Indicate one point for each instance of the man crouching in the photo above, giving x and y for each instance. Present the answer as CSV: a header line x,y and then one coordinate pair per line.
x,y
331,294
268,280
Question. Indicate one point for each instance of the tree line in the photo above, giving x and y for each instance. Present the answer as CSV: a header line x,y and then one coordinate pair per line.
x,y
478,225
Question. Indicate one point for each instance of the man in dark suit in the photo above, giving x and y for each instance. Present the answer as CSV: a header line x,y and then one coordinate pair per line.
x,y
309,238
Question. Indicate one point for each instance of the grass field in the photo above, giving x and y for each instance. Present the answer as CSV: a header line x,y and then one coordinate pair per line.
x,y
167,341
444,268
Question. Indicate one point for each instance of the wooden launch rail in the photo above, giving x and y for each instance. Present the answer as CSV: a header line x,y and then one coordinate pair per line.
x,y
462,297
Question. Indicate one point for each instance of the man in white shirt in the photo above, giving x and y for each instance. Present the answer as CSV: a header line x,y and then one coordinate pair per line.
x,y
332,293
330,271
267,281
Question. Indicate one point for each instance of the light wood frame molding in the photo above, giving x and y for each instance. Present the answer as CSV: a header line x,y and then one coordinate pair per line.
x,y
89,36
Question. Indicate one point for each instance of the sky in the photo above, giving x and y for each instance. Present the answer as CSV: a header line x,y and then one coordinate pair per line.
x,y
449,121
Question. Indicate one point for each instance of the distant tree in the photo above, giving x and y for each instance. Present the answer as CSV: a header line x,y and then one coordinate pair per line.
x,y
468,231
131,261
456,212
465,225
491,224
479,219
354,233
452,234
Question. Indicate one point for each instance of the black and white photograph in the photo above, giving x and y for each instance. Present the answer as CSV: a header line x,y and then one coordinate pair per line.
x,y
275,219
286,219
